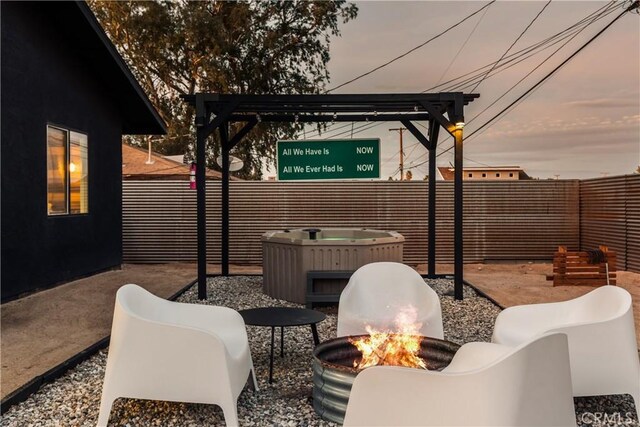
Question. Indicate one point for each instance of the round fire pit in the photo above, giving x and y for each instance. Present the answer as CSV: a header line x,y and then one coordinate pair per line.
x,y
333,371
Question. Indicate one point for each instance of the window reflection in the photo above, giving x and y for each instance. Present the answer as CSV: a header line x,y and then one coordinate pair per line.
x,y
56,171
78,174
67,172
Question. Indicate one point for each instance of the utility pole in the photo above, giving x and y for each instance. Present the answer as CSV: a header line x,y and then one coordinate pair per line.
x,y
400,130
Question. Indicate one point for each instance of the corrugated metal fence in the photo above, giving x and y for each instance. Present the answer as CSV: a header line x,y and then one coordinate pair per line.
x,y
610,215
502,220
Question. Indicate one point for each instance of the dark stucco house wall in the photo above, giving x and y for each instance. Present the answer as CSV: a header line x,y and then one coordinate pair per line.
x,y
59,69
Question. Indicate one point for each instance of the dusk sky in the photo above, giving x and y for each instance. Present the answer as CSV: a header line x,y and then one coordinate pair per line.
x,y
583,122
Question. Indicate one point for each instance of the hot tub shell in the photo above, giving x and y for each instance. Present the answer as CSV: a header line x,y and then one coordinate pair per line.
x,y
287,256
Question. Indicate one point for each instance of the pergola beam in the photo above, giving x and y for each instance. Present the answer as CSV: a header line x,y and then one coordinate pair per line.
x,y
325,118
359,101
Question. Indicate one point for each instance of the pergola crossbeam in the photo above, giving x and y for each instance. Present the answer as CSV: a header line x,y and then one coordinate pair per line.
x,y
251,123
442,120
416,133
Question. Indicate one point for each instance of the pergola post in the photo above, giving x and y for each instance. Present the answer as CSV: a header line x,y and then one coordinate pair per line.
x,y
434,128
457,216
224,142
201,206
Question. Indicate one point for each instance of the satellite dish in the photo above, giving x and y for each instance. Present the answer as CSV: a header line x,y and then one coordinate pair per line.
x,y
235,164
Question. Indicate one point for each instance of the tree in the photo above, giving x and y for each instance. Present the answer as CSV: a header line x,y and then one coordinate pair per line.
x,y
252,47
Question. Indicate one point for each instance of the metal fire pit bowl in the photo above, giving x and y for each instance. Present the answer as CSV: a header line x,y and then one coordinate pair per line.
x,y
333,371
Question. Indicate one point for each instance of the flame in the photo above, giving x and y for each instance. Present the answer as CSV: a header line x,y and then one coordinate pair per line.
x,y
397,348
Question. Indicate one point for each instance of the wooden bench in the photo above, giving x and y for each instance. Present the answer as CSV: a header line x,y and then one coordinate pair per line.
x,y
575,268
313,296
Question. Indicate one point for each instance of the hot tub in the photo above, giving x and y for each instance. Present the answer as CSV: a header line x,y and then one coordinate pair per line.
x,y
287,256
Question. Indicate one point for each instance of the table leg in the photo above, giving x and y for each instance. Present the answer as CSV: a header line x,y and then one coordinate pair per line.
x,y
273,329
281,341
314,331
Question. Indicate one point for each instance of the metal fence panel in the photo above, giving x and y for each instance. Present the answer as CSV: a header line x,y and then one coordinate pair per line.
x,y
633,223
610,215
502,220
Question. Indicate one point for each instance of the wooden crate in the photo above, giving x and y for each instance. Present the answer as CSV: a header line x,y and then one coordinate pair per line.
x,y
573,268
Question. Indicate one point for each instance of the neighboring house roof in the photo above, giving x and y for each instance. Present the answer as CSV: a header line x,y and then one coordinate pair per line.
x,y
90,41
446,173
135,166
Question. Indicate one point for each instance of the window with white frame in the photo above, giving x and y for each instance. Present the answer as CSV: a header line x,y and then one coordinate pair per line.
x,y
67,172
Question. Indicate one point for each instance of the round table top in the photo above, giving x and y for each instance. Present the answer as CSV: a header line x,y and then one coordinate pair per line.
x,y
281,316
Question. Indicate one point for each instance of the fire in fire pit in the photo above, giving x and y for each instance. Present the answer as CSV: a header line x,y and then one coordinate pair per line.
x,y
383,348
335,368
398,348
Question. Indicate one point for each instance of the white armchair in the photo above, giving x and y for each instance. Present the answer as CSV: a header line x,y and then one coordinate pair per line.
x,y
377,292
163,350
485,385
602,339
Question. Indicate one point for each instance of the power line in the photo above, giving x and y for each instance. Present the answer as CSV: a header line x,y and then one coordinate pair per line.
x,y
599,13
570,36
526,75
587,21
595,16
332,128
584,22
529,50
416,145
412,49
510,47
365,126
444,73
634,5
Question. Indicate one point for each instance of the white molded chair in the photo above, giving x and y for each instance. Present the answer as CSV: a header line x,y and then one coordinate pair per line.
x,y
485,385
377,292
163,350
602,338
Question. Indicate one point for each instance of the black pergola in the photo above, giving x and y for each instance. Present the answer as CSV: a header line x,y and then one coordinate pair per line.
x,y
216,111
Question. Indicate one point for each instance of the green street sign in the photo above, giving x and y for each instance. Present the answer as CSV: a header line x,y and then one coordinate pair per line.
x,y
328,159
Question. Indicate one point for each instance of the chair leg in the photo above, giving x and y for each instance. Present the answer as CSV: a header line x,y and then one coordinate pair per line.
x,y
105,410
230,411
636,400
253,377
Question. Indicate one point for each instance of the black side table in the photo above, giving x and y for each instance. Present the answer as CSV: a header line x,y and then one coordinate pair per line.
x,y
282,317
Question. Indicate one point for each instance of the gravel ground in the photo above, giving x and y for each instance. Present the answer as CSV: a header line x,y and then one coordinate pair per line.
x,y
74,399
